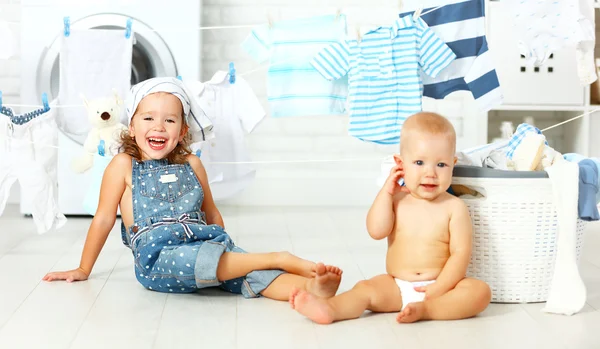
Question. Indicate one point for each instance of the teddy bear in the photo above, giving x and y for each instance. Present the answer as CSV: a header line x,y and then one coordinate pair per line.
x,y
104,115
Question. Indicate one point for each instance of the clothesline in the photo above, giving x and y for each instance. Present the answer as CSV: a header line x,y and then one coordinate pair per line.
x,y
175,29
170,29
569,120
36,106
260,68
315,160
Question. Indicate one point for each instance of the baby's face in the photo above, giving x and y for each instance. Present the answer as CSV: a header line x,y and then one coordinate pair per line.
x,y
158,125
428,161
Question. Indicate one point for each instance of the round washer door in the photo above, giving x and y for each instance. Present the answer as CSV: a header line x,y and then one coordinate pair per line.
x,y
151,56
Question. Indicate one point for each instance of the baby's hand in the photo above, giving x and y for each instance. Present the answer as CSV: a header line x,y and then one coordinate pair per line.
x,y
391,184
70,276
431,290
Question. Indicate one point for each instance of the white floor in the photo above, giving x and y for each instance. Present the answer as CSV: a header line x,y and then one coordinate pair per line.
x,y
112,310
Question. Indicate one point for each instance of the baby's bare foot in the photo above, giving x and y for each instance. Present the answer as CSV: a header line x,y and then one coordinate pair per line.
x,y
295,265
326,282
315,308
413,312
293,295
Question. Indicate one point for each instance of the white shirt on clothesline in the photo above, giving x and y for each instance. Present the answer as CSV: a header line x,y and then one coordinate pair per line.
x,y
235,111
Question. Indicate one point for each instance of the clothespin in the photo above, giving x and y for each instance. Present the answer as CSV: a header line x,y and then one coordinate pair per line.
x,y
231,73
101,148
338,13
198,153
45,102
270,20
358,34
417,13
0,99
179,78
67,22
128,28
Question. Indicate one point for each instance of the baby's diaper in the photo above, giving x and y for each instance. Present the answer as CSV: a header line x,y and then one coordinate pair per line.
x,y
407,290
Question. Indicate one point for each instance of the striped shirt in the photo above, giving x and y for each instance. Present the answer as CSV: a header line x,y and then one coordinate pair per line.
x,y
383,75
294,87
461,24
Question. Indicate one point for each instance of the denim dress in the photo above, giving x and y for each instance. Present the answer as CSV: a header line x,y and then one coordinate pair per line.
x,y
174,249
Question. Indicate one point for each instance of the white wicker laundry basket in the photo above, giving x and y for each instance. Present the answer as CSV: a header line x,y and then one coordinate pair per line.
x,y
514,232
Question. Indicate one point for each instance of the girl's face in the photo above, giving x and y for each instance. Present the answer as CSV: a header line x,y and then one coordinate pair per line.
x,y
158,126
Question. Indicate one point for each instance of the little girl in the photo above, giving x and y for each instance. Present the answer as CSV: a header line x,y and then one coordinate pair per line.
x,y
169,218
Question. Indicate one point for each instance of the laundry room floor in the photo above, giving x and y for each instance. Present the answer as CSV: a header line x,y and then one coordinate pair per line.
x,y
111,310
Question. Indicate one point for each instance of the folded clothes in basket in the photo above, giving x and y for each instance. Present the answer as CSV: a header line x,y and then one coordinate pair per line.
x,y
589,180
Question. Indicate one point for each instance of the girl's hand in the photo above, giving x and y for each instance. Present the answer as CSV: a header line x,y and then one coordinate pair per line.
x,y
70,276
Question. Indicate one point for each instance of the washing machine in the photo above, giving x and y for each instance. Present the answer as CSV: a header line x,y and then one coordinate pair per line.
x,y
167,43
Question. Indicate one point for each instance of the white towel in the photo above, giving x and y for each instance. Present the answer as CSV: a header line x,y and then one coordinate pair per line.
x,y
567,291
92,63
8,41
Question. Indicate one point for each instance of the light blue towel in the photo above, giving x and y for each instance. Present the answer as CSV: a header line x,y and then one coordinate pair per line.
x,y
92,196
294,87
573,157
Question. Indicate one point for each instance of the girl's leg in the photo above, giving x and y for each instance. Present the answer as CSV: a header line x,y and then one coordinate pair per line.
x,y
324,284
233,265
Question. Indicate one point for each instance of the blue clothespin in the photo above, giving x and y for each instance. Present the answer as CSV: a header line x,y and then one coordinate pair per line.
x,y
231,73
128,28
101,148
179,78
45,101
67,22
0,99
198,153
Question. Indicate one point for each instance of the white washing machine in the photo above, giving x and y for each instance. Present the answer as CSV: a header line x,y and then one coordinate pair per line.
x,y
167,43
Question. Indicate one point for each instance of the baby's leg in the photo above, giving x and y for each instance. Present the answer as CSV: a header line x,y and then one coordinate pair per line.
x,y
233,265
469,298
379,294
324,284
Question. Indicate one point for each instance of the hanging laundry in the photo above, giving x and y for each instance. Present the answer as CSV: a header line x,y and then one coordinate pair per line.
x,y
294,87
92,195
461,24
544,27
92,63
8,41
584,53
28,153
234,111
383,72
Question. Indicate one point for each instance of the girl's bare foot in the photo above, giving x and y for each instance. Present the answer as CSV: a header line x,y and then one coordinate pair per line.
x,y
315,308
295,265
411,313
326,281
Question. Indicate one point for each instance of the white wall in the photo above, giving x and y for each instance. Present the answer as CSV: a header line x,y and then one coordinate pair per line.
x,y
300,138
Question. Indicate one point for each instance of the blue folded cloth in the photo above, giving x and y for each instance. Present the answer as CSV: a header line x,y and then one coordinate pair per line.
x,y
588,190
573,157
